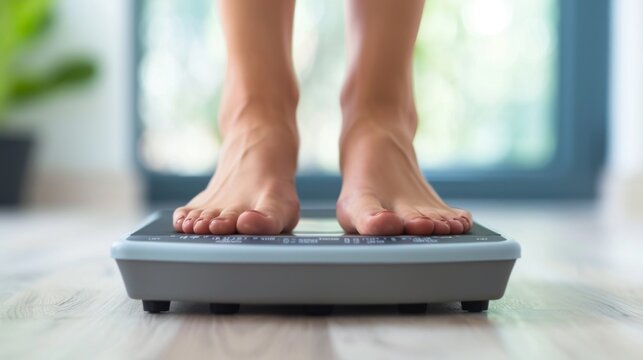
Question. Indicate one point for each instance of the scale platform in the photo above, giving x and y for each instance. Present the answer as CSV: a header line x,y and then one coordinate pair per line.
x,y
317,266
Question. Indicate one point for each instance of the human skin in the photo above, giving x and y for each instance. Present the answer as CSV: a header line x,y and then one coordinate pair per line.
x,y
383,189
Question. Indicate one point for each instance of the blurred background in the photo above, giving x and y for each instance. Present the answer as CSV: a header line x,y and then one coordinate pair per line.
x,y
112,105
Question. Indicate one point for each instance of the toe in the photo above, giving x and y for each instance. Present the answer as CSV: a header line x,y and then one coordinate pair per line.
x,y
384,222
456,227
441,227
259,222
420,225
415,223
225,223
466,218
190,220
440,224
178,217
465,224
446,222
202,224
366,216
273,214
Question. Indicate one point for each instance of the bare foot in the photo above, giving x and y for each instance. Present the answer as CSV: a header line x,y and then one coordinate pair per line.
x,y
253,188
383,190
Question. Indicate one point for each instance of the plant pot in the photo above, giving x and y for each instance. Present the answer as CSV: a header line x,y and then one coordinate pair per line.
x,y
14,158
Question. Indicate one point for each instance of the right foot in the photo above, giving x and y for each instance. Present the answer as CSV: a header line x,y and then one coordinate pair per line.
x,y
253,188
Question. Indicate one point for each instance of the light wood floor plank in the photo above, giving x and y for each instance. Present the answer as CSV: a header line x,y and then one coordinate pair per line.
x,y
576,293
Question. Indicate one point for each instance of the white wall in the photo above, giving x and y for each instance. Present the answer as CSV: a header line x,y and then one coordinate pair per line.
x,y
84,135
624,181
626,150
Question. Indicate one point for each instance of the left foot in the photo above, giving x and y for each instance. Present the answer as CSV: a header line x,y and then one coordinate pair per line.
x,y
383,190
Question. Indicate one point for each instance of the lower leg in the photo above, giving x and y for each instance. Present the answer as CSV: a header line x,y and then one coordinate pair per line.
x,y
381,37
384,191
259,65
253,190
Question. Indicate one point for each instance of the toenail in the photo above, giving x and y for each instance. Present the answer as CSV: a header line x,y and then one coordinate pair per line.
x,y
188,219
179,219
198,220
382,212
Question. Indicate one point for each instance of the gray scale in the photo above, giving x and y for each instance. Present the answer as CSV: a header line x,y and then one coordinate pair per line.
x,y
313,267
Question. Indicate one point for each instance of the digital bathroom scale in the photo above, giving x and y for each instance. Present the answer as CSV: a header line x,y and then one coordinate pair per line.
x,y
317,269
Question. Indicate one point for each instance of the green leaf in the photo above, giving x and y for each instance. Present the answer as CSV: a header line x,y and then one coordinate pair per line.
x,y
31,17
21,21
70,72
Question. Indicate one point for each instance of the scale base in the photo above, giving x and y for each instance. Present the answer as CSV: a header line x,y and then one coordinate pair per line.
x,y
317,270
316,286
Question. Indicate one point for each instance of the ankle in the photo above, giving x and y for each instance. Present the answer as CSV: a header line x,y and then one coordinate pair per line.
x,y
249,108
387,104
367,85
277,84
262,122
385,117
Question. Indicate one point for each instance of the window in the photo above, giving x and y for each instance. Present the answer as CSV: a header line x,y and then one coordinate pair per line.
x,y
511,95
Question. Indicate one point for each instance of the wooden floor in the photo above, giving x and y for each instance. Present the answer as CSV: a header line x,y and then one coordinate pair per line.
x,y
576,293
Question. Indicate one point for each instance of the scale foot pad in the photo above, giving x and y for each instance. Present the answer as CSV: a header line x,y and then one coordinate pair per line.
x,y
475,306
419,308
318,310
224,309
156,306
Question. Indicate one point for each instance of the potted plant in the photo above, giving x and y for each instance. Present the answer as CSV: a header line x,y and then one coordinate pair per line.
x,y
22,23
